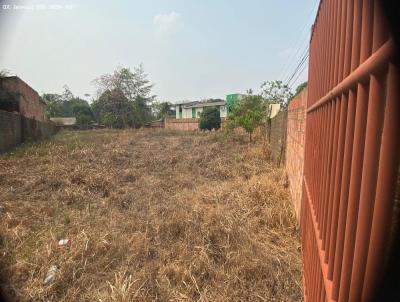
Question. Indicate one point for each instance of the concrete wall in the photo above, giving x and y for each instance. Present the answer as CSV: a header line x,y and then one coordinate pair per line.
x,y
182,124
276,137
296,126
30,104
15,129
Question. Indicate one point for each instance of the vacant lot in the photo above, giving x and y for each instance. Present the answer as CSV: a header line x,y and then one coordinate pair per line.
x,y
152,215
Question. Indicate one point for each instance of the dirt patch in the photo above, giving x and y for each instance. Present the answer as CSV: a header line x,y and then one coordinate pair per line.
x,y
152,215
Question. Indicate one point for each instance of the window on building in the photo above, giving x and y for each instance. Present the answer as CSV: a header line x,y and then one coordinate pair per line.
x,y
193,112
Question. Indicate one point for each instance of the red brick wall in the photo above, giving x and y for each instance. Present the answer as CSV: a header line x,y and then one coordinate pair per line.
x,y
29,102
296,125
187,124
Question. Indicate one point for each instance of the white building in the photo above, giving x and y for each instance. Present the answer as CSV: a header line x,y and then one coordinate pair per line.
x,y
194,109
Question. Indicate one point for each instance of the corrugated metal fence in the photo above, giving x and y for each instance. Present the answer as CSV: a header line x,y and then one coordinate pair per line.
x,y
351,151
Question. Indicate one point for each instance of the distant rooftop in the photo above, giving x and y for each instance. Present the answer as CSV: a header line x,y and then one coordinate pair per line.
x,y
197,104
63,121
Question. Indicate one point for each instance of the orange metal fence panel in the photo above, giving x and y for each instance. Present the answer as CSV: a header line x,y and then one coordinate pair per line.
x,y
351,151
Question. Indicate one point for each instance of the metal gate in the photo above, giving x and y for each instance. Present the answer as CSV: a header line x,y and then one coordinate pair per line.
x,y
351,152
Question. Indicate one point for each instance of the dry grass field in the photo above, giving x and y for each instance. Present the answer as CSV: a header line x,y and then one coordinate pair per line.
x,y
152,216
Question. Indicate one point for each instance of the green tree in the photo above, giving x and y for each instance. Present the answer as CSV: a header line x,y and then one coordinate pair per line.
x,y
67,105
108,119
247,113
83,120
162,109
126,94
116,104
210,119
83,114
300,89
54,104
276,92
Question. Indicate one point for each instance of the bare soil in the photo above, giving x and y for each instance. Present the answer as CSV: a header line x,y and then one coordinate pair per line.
x,y
152,216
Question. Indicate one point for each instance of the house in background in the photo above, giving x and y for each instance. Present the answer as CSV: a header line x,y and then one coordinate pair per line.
x,y
25,99
233,99
194,109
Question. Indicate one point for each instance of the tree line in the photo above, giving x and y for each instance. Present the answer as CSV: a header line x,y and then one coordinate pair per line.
x,y
123,99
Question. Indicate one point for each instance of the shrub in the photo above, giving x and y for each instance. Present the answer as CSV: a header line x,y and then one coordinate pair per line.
x,y
247,114
108,119
210,119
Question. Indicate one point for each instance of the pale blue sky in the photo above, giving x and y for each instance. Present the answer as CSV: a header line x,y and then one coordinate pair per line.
x,y
190,49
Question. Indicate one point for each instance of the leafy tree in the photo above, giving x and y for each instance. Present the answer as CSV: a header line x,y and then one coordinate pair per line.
x,y
300,88
131,84
276,92
141,112
247,113
210,118
83,120
126,94
249,91
108,119
162,109
68,105
82,109
83,114
116,104
54,104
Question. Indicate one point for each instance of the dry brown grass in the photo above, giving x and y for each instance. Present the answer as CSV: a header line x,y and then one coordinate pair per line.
x,y
152,215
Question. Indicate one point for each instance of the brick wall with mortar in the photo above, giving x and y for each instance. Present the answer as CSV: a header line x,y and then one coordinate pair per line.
x,y
188,124
30,104
15,129
296,125
276,137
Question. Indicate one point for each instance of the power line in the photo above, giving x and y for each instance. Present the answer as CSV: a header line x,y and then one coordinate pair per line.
x,y
304,54
297,77
299,66
290,61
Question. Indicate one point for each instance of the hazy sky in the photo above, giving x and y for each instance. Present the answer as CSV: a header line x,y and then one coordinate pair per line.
x,y
191,49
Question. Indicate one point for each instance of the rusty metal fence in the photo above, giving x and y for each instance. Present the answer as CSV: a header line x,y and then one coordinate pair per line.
x,y
351,152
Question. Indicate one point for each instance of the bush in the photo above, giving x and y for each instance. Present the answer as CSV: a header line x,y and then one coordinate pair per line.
x,y
247,114
108,119
210,119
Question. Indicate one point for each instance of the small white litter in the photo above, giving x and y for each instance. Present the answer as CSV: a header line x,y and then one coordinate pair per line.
x,y
51,275
64,242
